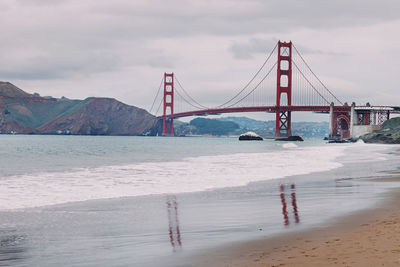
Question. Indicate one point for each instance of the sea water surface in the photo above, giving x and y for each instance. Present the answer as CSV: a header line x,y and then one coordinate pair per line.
x,y
134,201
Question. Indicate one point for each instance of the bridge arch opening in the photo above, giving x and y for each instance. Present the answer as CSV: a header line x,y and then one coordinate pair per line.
x,y
284,65
284,80
168,88
284,99
343,126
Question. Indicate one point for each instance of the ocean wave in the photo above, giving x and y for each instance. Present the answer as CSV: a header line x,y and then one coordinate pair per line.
x,y
188,175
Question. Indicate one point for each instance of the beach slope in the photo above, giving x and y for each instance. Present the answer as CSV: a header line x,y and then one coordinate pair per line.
x,y
365,238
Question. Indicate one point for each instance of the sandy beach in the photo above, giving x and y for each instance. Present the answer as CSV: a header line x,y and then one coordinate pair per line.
x,y
366,238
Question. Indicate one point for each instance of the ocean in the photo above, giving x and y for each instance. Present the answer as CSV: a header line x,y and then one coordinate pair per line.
x,y
159,201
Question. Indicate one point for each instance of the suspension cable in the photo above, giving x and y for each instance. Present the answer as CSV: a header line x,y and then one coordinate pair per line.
x,y
254,87
183,89
187,100
316,76
252,79
158,92
159,106
302,74
155,121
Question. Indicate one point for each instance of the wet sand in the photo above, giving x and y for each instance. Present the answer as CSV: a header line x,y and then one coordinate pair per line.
x,y
366,238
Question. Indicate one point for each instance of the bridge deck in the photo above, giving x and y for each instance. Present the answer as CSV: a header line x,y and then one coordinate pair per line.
x,y
272,109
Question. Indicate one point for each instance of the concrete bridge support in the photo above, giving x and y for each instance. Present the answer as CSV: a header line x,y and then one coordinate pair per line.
x,y
339,123
366,119
360,120
331,121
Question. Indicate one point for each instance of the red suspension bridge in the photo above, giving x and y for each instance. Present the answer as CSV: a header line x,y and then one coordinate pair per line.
x,y
283,84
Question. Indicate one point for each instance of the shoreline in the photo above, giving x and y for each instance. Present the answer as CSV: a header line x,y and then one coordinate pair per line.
x,y
173,229
369,237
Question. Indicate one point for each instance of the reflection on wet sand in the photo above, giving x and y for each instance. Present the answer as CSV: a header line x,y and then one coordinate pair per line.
x,y
12,249
285,213
173,222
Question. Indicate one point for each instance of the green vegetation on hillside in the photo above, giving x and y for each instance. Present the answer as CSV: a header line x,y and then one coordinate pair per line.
x,y
389,133
34,114
267,128
239,125
392,124
214,126
207,126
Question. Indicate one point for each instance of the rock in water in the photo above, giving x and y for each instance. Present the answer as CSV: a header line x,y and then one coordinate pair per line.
x,y
250,136
290,138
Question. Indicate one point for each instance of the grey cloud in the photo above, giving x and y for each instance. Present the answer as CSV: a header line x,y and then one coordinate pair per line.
x,y
102,25
160,62
241,17
307,50
155,19
254,46
53,66
59,47
41,2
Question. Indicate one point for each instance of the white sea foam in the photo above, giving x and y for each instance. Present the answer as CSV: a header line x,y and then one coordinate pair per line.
x,y
188,175
360,142
289,145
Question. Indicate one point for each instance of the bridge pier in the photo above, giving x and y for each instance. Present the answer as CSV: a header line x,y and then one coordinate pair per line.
x,y
284,88
168,123
339,123
358,121
331,120
168,127
283,124
366,119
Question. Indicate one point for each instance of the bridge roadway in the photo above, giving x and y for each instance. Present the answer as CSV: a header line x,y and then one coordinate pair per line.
x,y
273,109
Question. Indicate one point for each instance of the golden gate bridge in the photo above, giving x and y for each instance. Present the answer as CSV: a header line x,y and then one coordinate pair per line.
x,y
283,84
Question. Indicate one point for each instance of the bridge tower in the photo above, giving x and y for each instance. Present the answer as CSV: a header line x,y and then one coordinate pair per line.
x,y
168,124
284,86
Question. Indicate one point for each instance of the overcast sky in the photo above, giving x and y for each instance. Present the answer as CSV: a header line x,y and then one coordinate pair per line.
x,y
121,48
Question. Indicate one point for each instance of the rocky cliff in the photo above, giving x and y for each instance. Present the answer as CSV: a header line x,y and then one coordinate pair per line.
x,y
21,112
388,134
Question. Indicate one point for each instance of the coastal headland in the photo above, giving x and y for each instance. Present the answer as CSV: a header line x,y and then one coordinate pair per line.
x,y
24,113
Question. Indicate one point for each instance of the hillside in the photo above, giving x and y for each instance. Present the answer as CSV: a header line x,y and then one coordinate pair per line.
x,y
305,129
239,125
388,134
207,126
21,112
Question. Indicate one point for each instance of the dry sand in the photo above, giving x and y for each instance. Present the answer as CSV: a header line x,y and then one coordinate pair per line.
x,y
366,238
